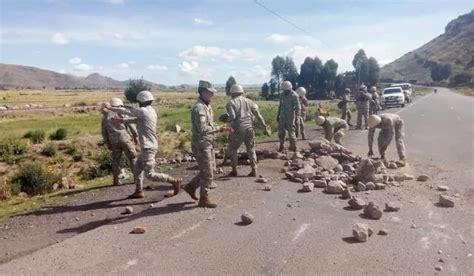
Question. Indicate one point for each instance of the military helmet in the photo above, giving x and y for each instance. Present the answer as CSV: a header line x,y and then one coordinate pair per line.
x,y
236,89
224,117
206,85
145,96
286,86
362,87
320,120
347,90
373,121
373,89
301,91
116,102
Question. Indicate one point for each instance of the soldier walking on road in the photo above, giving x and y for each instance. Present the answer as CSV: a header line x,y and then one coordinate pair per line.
x,y
145,118
333,127
363,98
119,138
203,136
301,91
374,101
242,112
288,113
344,105
389,125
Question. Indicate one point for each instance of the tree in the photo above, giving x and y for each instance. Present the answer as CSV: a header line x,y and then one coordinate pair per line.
x,y
317,81
135,86
361,64
373,71
307,73
273,86
440,72
265,90
328,77
278,67
290,73
231,81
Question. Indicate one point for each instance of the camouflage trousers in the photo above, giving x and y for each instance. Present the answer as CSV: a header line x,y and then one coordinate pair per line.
x,y
239,136
300,127
117,149
386,136
287,126
373,109
346,115
362,113
145,167
205,158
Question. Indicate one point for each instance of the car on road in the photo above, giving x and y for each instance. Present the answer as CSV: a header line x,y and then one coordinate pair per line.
x,y
407,90
392,97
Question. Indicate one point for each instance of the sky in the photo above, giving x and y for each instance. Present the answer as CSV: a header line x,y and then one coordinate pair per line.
x,y
183,41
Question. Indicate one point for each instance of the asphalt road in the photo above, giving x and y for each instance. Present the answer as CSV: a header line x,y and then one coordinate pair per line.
x,y
299,233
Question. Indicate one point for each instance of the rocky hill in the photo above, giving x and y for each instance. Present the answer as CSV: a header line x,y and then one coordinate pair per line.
x,y
454,47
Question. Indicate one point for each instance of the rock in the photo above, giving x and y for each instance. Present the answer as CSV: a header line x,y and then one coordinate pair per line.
x,y
392,207
138,230
308,187
408,176
442,188
320,183
334,187
394,183
246,218
370,186
439,268
361,232
413,226
211,217
366,171
361,187
392,165
262,180
274,155
399,177
289,175
55,186
307,172
297,180
356,203
373,211
128,210
446,201
348,168
383,232
267,187
380,186
423,178
333,177
327,162
346,194
283,170
338,168
219,171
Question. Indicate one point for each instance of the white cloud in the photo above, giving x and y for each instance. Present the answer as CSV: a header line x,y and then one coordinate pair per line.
x,y
131,62
198,52
157,67
59,38
189,67
201,21
278,38
118,36
82,67
115,2
74,60
123,65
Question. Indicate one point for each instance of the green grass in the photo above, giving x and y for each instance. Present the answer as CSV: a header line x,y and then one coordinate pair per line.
x,y
468,91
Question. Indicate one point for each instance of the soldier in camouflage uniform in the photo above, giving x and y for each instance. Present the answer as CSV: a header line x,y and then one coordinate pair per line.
x,y
333,127
145,118
344,105
389,125
203,136
363,99
242,112
119,138
301,91
374,101
288,113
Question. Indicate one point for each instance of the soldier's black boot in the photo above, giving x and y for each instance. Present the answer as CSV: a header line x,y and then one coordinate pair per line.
x,y
233,172
191,191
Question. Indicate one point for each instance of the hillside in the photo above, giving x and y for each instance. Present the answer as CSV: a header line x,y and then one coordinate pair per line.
x,y
454,47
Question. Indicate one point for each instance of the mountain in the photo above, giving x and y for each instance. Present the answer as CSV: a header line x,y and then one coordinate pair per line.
x,y
454,47
19,76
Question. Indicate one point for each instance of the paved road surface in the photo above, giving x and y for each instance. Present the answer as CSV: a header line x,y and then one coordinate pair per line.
x,y
299,233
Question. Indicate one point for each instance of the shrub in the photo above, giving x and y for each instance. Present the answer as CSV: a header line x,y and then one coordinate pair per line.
x,y
69,149
49,150
11,148
34,178
134,87
36,137
59,134
77,156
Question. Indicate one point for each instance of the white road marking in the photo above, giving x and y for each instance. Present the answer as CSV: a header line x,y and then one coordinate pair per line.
x,y
182,233
300,231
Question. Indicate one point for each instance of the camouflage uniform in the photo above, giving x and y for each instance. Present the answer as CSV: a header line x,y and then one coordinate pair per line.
x,y
334,127
117,138
288,113
390,123
362,108
242,112
374,104
346,113
302,118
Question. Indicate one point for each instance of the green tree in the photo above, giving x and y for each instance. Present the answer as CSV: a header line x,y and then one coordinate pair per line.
x,y
290,73
361,65
231,81
134,87
278,69
307,73
273,86
265,91
373,71
440,72
328,77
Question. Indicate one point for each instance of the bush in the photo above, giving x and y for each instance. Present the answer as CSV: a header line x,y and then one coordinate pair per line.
x,y
36,137
59,134
77,156
34,178
11,148
134,87
69,149
49,150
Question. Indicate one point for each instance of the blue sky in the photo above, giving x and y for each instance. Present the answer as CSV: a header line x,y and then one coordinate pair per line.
x,y
182,41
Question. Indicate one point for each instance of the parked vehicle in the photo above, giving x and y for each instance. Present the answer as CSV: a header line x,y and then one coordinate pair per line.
x,y
393,97
407,90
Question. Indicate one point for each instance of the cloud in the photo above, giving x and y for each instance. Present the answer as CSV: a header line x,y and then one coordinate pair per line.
x,y
157,67
199,52
82,67
123,65
278,38
115,2
204,22
189,67
74,60
60,39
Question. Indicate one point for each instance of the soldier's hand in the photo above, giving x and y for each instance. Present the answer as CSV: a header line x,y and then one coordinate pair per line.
x,y
370,154
104,106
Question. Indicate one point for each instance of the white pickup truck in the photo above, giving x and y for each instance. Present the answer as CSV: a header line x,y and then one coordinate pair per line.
x,y
392,97
407,89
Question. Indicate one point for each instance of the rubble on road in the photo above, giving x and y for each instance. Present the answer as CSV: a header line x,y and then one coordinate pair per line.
x,y
335,187
423,178
128,210
356,203
261,180
361,232
267,187
392,207
442,188
246,218
308,187
446,201
138,230
383,232
373,211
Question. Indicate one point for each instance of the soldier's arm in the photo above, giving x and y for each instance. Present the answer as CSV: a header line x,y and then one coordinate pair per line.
x,y
279,109
296,106
231,112
328,132
257,114
132,129
371,139
305,101
105,135
130,113
201,122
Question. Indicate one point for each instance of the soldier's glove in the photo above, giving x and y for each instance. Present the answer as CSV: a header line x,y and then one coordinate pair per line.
x,y
224,117
224,128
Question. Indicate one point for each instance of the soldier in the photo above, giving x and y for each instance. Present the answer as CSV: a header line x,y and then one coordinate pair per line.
x,y
118,138
301,91
145,118
333,127
344,105
242,112
288,113
388,124
203,136
362,106
374,101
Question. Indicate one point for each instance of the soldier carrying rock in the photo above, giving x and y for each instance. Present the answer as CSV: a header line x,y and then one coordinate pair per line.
x,y
288,113
389,124
333,127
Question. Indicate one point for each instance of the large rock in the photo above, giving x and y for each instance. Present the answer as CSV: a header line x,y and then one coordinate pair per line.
x,y
346,194
370,186
361,187
308,187
327,162
446,201
356,203
423,178
320,183
366,171
335,187
246,218
306,172
361,231
392,207
373,211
